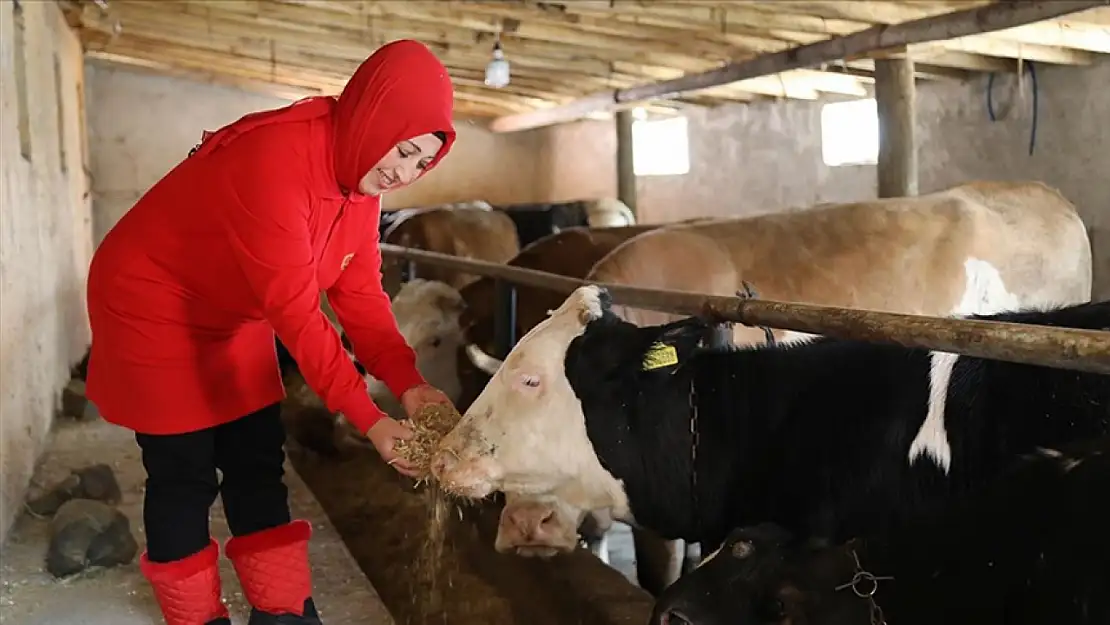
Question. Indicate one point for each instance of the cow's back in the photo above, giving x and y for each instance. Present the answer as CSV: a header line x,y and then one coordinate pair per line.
x,y
981,247
1030,236
475,233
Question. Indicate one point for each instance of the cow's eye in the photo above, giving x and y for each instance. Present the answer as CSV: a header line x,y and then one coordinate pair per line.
x,y
436,341
531,381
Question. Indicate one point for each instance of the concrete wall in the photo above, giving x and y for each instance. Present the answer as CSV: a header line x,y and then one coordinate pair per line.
x,y
165,117
45,234
747,160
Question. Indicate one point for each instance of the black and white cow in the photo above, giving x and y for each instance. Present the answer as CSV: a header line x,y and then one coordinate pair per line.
x,y
827,437
1031,548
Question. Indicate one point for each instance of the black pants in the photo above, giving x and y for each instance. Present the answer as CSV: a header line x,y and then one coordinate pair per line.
x,y
182,485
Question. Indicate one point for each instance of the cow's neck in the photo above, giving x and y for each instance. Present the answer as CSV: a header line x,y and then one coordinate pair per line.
x,y
642,433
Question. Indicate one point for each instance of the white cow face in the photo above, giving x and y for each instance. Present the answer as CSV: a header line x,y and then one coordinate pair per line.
x,y
526,432
427,314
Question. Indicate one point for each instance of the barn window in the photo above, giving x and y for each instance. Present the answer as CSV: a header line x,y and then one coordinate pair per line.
x,y
660,147
59,96
850,133
24,111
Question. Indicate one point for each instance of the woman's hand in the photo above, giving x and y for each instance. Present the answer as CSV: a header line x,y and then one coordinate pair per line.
x,y
384,434
419,396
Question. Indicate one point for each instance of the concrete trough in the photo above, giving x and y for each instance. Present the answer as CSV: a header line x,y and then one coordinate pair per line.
x,y
385,523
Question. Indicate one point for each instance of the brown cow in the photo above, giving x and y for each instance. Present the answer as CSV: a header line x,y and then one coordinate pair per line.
x,y
570,252
976,248
465,231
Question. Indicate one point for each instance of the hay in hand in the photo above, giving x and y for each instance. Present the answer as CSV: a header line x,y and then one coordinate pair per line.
x,y
429,426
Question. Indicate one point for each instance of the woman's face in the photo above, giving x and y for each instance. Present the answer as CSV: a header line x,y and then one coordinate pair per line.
x,y
404,163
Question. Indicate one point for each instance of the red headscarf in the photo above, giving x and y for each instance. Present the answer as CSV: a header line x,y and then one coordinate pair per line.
x,y
399,92
402,91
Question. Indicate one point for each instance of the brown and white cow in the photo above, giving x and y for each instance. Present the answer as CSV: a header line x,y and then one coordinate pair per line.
x,y
976,248
428,315
467,231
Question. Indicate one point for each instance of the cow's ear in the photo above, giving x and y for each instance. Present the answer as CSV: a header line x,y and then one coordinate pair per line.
x,y
687,334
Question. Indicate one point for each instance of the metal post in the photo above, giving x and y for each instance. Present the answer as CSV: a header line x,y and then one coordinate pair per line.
x,y
408,270
504,326
721,337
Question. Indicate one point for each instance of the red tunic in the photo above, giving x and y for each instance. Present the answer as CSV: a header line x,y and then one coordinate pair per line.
x,y
236,243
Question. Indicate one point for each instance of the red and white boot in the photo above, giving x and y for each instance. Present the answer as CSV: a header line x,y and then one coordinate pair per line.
x,y
188,590
273,570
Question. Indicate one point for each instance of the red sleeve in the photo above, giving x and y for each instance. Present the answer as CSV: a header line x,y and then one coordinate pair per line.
x,y
267,226
364,312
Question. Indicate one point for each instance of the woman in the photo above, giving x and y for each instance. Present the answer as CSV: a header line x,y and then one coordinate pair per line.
x,y
188,289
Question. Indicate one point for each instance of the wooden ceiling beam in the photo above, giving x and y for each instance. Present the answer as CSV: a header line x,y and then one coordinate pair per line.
x,y
232,28
1003,48
1063,33
872,12
940,27
316,79
781,15
173,68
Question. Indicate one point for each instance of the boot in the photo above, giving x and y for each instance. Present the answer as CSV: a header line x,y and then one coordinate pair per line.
x,y
188,590
272,566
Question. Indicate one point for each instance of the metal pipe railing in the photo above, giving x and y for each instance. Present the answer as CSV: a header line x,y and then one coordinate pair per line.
x,y
1064,348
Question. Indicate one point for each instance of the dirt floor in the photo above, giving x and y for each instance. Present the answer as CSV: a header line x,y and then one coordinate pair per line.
x,y
120,596
385,523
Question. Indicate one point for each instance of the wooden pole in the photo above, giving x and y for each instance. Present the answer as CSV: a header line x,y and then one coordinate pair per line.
x,y
1064,348
992,17
626,172
896,101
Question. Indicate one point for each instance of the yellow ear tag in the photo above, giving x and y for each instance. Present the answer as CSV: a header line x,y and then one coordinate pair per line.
x,y
659,356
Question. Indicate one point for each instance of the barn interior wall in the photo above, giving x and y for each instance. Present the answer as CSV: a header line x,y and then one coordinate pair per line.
x,y
166,115
766,157
45,234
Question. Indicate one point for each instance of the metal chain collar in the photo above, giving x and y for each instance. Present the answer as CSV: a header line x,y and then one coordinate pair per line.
x,y
748,292
865,585
695,438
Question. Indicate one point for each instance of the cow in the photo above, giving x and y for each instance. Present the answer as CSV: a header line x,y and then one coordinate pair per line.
x,y
468,232
828,437
428,315
934,254
976,248
571,252
1030,549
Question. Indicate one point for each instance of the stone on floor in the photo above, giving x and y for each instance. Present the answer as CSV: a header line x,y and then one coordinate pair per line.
x,y
29,595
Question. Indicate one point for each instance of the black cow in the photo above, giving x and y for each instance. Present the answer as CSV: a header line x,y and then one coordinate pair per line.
x,y
1031,549
818,437
535,221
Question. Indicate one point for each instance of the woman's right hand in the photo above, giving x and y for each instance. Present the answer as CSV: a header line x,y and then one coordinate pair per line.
x,y
384,435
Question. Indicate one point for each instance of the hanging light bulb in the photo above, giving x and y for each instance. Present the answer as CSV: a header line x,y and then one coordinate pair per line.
x,y
497,70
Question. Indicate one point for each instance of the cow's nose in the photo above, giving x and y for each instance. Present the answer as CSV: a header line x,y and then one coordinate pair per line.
x,y
531,520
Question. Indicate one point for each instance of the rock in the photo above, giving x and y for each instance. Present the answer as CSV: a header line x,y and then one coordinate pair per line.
x,y
96,482
99,482
85,533
64,491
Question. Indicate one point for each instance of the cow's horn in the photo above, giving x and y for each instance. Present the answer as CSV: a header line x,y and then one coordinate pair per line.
x,y
482,360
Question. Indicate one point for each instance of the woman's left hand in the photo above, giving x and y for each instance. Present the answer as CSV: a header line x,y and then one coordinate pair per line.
x,y
419,396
